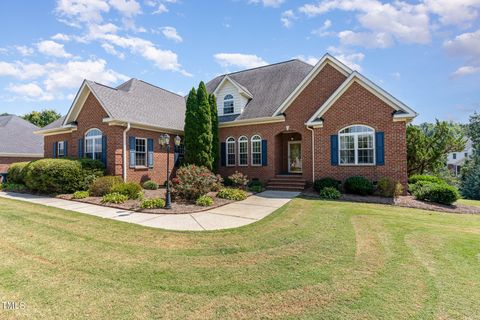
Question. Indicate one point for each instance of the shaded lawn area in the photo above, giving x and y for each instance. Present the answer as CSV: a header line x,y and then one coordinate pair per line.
x,y
311,259
469,202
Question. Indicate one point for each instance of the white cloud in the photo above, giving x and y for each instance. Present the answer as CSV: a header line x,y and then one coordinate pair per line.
x,y
22,70
454,12
82,10
287,18
308,59
246,61
268,3
171,34
351,59
24,50
366,39
52,48
323,30
161,9
466,45
60,37
126,7
465,71
30,91
111,50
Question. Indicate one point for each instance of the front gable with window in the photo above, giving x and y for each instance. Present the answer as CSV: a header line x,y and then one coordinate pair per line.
x,y
231,99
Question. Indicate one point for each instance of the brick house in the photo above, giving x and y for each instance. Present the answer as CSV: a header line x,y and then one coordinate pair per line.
x,y
287,124
18,142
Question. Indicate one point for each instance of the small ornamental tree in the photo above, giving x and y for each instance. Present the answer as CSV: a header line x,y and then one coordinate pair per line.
x,y
204,133
190,128
215,143
42,118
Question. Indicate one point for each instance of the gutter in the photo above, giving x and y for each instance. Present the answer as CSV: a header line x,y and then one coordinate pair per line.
x,y
313,151
124,162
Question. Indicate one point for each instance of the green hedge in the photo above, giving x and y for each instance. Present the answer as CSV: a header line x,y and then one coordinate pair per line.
x,y
330,193
131,189
16,172
103,185
436,192
327,182
359,185
424,177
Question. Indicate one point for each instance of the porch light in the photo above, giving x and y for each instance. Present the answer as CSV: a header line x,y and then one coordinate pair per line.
x,y
177,140
161,140
164,139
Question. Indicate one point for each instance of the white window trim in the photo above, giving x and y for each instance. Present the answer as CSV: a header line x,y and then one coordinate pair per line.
x,y
251,144
232,100
61,143
146,153
355,146
246,152
234,152
93,143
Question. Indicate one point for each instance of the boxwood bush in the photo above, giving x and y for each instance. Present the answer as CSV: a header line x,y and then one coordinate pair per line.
x,y
103,185
424,177
327,182
358,185
16,172
54,176
155,203
150,185
131,189
330,193
13,187
232,194
437,192
204,201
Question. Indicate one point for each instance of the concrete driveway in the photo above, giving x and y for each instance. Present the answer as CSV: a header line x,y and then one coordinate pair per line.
x,y
233,215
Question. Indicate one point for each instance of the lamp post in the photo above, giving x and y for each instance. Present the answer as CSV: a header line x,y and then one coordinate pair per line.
x,y
164,141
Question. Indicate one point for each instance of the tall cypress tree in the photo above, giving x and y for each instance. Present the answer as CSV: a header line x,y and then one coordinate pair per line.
x,y
191,128
215,147
204,122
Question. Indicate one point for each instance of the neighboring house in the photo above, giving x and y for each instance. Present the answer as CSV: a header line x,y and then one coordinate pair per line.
x,y
283,120
455,160
18,141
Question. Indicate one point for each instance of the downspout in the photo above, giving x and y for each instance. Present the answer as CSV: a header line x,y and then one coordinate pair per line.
x,y
313,153
124,164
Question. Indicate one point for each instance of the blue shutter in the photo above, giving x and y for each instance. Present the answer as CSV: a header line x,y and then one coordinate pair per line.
x,y
104,150
54,149
334,150
264,153
80,148
380,148
150,153
65,146
223,154
132,151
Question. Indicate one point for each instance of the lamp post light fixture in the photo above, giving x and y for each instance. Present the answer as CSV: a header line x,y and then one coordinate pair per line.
x,y
164,141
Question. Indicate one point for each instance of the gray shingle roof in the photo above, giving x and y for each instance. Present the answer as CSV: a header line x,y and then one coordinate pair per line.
x,y
55,124
270,86
16,136
140,102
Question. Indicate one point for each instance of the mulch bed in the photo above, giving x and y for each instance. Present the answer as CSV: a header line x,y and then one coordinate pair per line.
x,y
178,206
404,201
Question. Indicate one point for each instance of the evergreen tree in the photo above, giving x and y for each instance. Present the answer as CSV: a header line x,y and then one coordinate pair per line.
x,y
204,131
191,128
215,147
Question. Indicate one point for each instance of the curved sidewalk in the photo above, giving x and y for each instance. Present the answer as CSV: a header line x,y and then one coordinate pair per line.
x,y
233,215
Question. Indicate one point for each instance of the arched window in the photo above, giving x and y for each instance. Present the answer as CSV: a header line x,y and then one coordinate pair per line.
x,y
357,145
231,151
228,104
243,151
256,150
93,144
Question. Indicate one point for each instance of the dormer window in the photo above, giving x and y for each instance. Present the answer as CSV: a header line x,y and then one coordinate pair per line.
x,y
228,104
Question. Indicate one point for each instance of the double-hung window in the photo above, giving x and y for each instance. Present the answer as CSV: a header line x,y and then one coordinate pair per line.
x,y
93,144
231,151
140,152
61,149
243,151
228,104
357,145
256,150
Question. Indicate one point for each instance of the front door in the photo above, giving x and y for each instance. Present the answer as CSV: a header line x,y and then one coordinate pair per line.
x,y
294,157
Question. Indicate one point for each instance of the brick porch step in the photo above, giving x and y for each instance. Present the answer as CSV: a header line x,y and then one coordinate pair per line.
x,y
287,183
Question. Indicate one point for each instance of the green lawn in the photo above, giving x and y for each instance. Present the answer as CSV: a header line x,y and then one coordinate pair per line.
x,y
311,259
469,202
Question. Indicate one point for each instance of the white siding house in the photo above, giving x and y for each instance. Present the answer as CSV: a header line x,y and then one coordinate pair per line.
x,y
455,160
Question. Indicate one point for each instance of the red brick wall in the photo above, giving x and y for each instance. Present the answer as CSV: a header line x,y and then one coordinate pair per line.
x,y
91,116
356,106
5,162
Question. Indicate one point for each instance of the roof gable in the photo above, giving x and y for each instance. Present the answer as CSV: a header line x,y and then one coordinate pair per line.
x,y
403,111
241,89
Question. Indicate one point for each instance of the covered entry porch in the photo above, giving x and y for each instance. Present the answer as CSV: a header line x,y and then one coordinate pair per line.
x,y
289,153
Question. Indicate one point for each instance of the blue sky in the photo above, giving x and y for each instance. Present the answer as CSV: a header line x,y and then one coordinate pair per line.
x,y
425,53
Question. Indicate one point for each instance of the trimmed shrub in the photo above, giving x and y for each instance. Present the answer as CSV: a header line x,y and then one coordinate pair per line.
x,y
16,172
155,203
204,201
424,177
90,164
13,187
389,188
114,197
358,185
80,195
232,194
327,182
54,176
437,192
103,185
330,193
150,185
256,186
131,189
194,181
238,180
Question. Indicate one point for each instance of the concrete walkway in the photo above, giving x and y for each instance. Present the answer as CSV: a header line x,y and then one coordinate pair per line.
x,y
232,215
